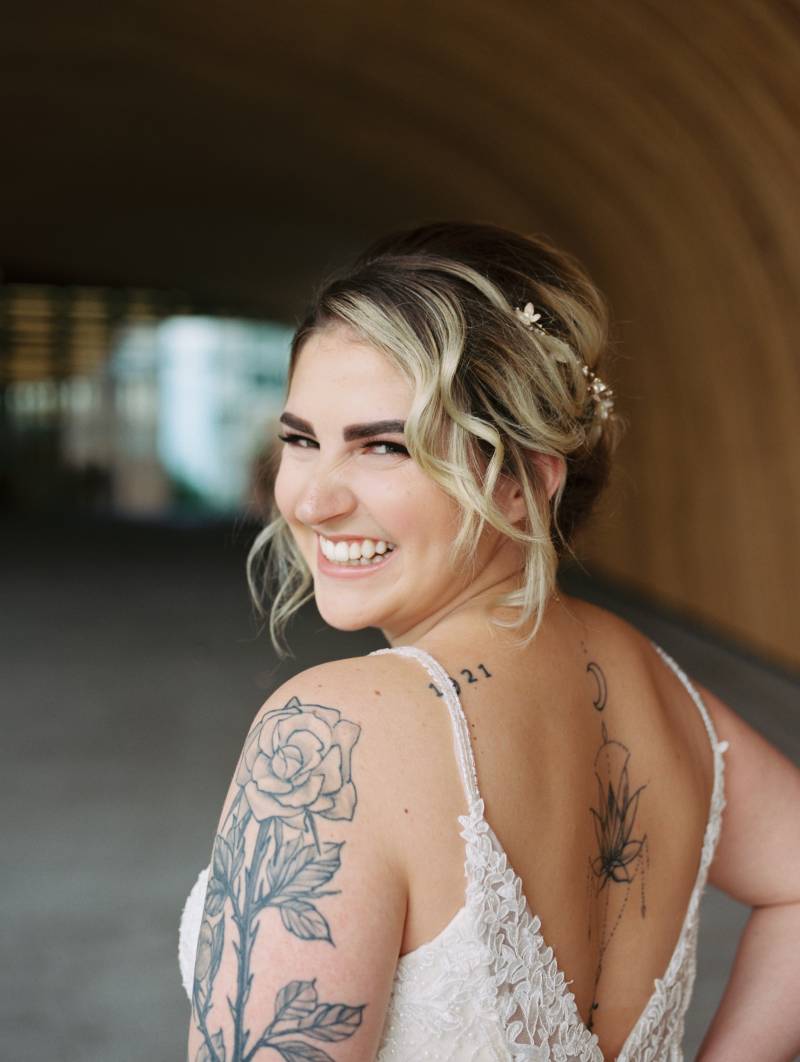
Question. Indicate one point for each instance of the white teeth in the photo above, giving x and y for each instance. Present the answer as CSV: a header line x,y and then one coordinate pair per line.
x,y
366,551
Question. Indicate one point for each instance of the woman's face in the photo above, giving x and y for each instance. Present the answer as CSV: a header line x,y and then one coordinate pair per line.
x,y
345,481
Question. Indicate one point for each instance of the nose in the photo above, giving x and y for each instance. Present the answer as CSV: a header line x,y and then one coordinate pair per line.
x,y
323,497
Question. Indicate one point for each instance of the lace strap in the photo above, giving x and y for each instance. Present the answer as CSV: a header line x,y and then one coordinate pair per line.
x,y
718,747
461,742
695,695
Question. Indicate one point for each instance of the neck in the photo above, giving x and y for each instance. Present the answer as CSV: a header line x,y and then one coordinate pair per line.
x,y
472,608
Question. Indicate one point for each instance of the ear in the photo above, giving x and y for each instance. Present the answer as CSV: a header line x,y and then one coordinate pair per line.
x,y
551,471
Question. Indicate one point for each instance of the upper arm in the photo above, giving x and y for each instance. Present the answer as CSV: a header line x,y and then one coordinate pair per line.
x,y
757,860
306,902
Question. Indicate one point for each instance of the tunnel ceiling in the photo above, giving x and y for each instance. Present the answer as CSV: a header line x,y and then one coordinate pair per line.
x,y
237,151
234,148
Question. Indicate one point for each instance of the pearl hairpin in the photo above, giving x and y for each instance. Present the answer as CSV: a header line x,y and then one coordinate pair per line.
x,y
601,394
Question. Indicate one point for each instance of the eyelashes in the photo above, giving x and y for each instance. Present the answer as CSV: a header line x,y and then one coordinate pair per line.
x,y
393,448
294,439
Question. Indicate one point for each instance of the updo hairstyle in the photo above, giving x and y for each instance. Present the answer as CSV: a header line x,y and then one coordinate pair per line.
x,y
438,301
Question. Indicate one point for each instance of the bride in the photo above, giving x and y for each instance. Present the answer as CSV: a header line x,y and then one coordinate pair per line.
x,y
489,840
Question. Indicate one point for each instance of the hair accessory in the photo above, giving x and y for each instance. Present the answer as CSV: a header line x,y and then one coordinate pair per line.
x,y
601,393
529,318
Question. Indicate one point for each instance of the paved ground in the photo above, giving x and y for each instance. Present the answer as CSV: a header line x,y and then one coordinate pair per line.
x,y
131,669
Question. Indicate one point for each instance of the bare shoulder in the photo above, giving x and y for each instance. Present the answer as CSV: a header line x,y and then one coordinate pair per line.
x,y
355,669
373,707
383,692
315,787
758,856
404,762
757,860
609,628
377,710
366,680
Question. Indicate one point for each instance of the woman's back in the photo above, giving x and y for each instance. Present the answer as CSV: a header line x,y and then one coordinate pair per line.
x,y
596,771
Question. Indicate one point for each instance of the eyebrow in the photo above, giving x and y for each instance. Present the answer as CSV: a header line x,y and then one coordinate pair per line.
x,y
352,431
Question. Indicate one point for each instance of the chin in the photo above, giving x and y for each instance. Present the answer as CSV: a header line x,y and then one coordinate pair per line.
x,y
342,623
342,619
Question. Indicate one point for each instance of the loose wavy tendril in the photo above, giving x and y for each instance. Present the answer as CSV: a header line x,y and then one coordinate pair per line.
x,y
438,301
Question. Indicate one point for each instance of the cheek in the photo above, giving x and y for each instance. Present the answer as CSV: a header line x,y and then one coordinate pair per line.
x,y
441,530
427,516
284,491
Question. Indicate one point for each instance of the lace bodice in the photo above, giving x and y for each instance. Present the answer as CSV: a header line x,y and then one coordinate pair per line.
x,y
488,987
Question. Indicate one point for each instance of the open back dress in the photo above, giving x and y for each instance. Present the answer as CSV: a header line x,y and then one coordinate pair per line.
x,y
488,988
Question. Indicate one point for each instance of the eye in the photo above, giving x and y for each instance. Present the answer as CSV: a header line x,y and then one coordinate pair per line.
x,y
293,440
392,448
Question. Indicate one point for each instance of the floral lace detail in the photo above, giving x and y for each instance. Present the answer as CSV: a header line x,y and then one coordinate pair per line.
x,y
488,988
523,983
434,1011
189,929
658,1033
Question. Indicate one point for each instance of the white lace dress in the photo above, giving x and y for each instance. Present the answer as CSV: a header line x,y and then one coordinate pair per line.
x,y
488,988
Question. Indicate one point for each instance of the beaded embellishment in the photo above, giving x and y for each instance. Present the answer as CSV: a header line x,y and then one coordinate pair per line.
x,y
601,394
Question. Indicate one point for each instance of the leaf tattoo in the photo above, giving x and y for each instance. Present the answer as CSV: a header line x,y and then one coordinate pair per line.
x,y
295,767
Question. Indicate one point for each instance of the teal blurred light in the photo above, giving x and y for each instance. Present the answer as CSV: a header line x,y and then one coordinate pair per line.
x,y
217,385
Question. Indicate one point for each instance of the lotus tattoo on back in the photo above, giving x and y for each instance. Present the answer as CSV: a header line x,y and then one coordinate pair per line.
x,y
294,768
615,816
622,855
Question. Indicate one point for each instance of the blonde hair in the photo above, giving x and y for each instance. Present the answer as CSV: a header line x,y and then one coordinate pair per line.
x,y
438,301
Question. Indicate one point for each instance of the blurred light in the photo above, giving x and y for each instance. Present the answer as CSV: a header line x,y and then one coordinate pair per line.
x,y
126,408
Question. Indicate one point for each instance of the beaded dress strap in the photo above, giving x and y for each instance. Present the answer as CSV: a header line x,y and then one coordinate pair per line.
x,y
716,744
461,742
718,747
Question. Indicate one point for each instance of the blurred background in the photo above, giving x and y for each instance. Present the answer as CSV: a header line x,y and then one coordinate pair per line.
x,y
176,180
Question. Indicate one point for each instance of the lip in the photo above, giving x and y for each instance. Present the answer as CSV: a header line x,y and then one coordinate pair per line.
x,y
339,571
348,538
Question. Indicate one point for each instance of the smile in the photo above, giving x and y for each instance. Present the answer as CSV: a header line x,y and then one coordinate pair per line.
x,y
356,558
356,551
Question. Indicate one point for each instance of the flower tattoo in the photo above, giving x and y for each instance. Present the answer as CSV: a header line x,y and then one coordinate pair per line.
x,y
615,815
296,763
621,857
294,769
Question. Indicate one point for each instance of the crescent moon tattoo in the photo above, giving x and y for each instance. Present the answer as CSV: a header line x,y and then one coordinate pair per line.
x,y
599,678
